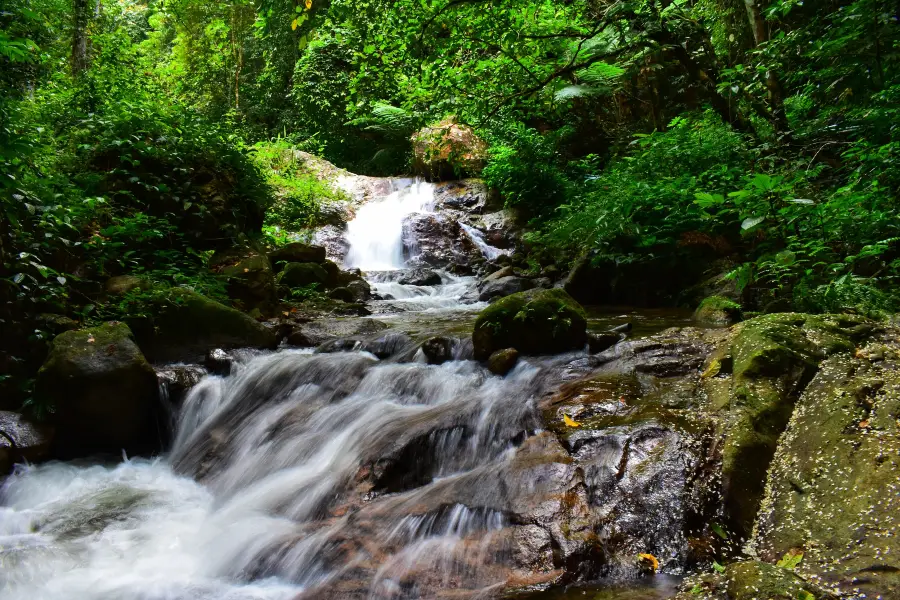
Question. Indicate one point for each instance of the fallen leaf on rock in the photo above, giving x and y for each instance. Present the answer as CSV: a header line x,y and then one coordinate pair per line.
x,y
570,421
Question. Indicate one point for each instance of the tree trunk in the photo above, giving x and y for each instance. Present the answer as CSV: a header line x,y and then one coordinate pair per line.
x,y
81,13
773,85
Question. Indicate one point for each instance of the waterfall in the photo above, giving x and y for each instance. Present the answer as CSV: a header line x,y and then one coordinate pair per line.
x,y
376,234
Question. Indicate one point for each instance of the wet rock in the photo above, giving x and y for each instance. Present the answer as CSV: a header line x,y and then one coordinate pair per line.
x,y
448,150
218,362
361,290
470,195
22,440
339,345
333,240
502,362
623,328
122,284
831,489
598,342
420,277
177,380
249,278
436,240
533,322
186,326
343,294
298,275
438,350
392,344
717,310
550,272
542,282
502,287
316,333
500,273
296,252
103,391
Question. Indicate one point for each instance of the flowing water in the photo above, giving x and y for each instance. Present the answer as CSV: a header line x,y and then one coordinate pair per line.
x,y
300,475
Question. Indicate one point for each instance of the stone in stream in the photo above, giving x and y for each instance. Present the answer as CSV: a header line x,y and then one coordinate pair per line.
x,y
438,350
502,362
598,342
26,441
504,286
420,277
361,290
103,392
316,333
532,322
218,362
185,325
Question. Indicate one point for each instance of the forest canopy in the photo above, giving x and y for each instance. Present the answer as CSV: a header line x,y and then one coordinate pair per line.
x,y
757,135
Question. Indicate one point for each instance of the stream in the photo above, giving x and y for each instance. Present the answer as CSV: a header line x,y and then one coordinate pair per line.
x,y
306,475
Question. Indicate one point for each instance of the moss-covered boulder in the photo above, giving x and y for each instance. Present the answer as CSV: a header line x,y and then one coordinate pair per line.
x,y
718,310
448,150
103,392
832,491
502,362
773,357
184,325
296,275
532,322
296,252
250,280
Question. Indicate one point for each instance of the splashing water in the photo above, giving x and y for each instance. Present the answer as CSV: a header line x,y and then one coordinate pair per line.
x,y
316,471
376,234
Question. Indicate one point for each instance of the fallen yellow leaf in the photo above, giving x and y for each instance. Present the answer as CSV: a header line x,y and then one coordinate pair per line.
x,y
570,421
713,369
650,559
308,4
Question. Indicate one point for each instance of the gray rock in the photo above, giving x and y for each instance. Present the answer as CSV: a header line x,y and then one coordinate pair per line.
x,y
438,350
316,333
420,277
502,287
598,342
343,294
26,441
296,252
360,289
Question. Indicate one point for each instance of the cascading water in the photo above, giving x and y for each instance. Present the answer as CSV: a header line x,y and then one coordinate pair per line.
x,y
376,234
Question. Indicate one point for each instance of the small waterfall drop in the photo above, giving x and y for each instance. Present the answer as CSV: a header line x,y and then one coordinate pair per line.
x,y
376,234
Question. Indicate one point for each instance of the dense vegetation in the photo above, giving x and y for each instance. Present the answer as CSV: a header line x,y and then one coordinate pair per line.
x,y
756,137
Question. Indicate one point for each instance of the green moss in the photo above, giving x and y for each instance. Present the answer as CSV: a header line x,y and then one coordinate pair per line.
x,y
751,580
296,275
718,310
532,322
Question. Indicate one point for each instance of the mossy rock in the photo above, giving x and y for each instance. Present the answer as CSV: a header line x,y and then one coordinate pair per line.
x,y
186,325
775,356
102,390
298,275
250,280
532,322
122,284
718,310
752,580
296,252
448,150
832,486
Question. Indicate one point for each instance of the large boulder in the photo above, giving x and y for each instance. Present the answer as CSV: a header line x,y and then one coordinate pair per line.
x,y
420,277
103,392
437,240
22,440
448,150
185,325
296,252
532,322
250,280
470,195
296,275
774,357
832,488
